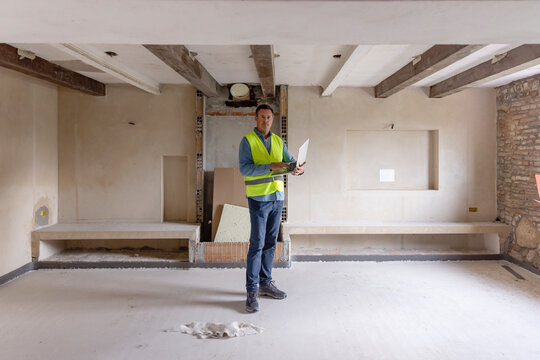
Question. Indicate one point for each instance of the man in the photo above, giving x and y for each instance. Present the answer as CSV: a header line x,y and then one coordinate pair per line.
x,y
261,152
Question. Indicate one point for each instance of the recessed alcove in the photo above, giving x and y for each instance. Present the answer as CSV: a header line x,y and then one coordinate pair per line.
x,y
392,159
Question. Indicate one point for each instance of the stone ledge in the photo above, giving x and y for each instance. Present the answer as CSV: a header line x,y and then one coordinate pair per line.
x,y
47,241
338,228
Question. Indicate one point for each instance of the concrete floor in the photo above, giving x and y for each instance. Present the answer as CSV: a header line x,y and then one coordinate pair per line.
x,y
341,310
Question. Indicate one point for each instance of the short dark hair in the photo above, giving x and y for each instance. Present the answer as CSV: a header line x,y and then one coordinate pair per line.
x,y
265,107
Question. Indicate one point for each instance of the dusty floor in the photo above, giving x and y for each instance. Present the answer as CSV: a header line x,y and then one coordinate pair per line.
x,y
341,310
96,255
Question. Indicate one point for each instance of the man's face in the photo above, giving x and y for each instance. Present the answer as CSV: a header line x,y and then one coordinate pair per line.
x,y
264,121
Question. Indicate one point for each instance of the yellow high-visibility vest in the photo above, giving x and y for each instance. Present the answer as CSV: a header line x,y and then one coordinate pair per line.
x,y
264,184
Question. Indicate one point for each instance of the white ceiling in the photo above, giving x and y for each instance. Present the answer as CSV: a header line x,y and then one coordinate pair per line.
x,y
307,65
269,22
141,60
382,61
302,65
227,64
513,77
306,35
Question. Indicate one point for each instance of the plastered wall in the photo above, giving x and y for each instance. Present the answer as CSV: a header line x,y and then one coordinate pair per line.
x,y
466,124
28,162
111,170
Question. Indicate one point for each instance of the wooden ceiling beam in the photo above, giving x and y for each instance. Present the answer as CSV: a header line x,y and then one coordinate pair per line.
x,y
515,60
46,70
179,58
431,61
263,56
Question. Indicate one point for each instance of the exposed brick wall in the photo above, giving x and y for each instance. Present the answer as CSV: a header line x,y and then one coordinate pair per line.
x,y
518,160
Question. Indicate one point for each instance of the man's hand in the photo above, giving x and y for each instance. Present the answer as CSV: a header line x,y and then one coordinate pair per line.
x,y
299,170
279,166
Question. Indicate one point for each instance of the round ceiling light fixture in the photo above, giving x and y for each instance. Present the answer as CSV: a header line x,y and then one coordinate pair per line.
x,y
239,91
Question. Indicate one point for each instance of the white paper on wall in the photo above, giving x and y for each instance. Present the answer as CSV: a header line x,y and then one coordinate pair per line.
x,y
387,175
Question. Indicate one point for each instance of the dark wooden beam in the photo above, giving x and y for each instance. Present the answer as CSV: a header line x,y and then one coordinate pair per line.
x,y
520,58
180,60
263,56
45,70
431,61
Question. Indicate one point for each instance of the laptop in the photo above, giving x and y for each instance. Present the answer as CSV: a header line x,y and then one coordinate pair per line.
x,y
302,155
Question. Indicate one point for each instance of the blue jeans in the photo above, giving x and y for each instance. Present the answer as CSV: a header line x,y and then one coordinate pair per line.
x,y
265,220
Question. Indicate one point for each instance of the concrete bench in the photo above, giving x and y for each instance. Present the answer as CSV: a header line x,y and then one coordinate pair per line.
x,y
397,228
48,240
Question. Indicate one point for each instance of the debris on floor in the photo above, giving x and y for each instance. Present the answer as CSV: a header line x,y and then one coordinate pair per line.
x,y
125,254
204,330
